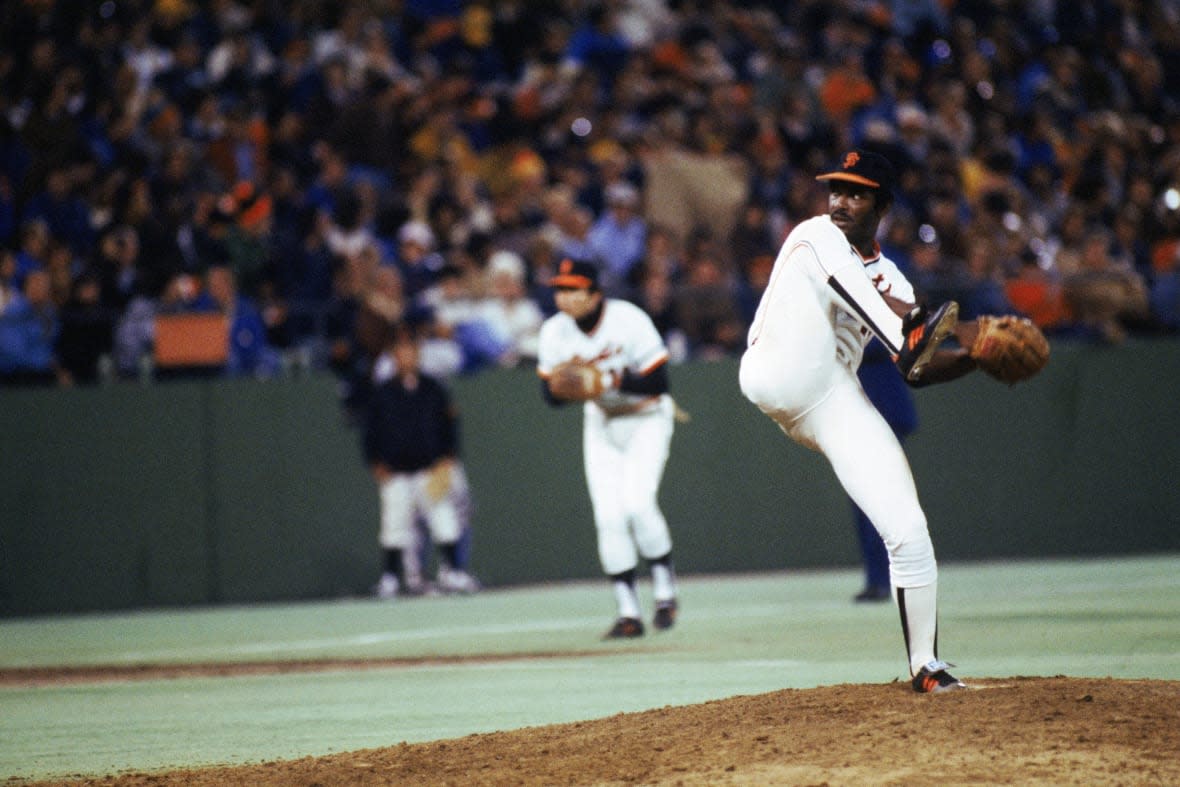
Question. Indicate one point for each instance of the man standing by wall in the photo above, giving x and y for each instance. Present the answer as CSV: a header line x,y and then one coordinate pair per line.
x,y
411,443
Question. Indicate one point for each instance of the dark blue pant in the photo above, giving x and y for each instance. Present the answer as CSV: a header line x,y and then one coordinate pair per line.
x,y
872,551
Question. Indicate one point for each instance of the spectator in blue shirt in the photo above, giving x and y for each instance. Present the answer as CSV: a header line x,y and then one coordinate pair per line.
x,y
28,329
618,236
34,250
65,214
249,351
597,45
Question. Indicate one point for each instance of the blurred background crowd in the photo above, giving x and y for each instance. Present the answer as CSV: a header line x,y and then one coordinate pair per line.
x,y
324,171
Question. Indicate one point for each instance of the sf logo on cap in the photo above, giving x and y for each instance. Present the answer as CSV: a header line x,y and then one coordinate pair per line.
x,y
851,159
566,266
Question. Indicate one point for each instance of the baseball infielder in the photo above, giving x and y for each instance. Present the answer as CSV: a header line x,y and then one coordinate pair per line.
x,y
627,431
830,291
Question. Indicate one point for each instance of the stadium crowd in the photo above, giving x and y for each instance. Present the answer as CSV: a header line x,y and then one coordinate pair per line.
x,y
322,171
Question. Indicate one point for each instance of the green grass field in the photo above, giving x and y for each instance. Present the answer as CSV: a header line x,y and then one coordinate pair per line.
x,y
518,657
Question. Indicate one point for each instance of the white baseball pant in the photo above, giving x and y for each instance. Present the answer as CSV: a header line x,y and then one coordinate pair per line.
x,y
404,498
624,459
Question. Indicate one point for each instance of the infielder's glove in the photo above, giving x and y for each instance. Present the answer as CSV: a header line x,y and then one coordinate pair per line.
x,y
438,480
1009,348
576,381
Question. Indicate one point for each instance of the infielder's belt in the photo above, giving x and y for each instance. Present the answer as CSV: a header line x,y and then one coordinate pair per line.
x,y
615,411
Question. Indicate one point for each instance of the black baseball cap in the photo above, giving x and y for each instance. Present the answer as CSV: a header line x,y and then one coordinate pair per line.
x,y
575,275
866,168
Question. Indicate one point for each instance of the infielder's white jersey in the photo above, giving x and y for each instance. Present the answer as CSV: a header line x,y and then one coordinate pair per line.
x,y
625,437
802,329
624,338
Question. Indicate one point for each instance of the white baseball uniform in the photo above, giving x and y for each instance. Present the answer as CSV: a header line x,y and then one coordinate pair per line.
x,y
804,346
625,437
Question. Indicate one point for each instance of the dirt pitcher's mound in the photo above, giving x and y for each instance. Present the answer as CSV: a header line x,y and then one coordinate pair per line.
x,y
1024,731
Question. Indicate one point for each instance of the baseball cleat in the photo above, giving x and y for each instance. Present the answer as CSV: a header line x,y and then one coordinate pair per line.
x,y
933,678
922,335
665,616
386,589
455,580
415,588
625,628
874,593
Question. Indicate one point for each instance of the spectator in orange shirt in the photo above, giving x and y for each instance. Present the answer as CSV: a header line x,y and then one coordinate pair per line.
x,y
846,88
1038,294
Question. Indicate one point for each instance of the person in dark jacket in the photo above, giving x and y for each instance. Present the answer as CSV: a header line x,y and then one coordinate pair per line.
x,y
87,334
411,445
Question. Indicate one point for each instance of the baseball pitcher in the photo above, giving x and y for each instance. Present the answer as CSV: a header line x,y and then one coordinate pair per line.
x,y
830,291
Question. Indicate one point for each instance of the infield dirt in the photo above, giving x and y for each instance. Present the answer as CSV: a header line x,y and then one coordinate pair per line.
x,y
1022,731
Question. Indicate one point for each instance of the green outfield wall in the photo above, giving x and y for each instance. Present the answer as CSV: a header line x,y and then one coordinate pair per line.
x,y
186,493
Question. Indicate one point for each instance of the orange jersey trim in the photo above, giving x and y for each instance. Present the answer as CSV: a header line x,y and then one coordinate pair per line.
x,y
656,364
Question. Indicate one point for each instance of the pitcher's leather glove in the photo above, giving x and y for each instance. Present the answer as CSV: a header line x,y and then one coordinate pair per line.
x,y
1009,348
